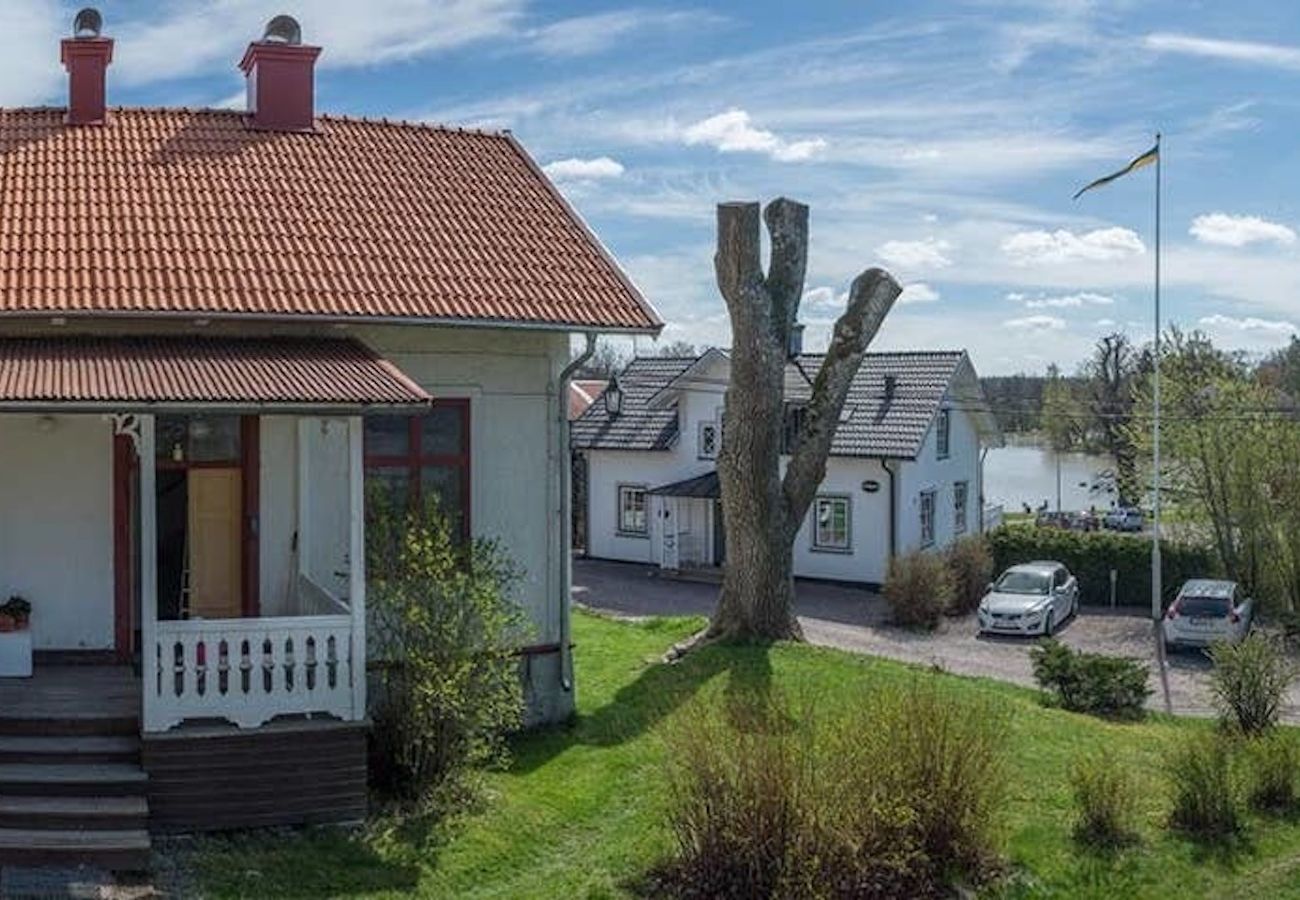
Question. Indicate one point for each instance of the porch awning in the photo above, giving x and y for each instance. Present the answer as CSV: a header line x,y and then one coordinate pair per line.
x,y
139,374
706,487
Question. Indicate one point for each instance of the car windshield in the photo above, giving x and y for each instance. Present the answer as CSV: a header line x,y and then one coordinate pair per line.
x,y
1023,583
1203,607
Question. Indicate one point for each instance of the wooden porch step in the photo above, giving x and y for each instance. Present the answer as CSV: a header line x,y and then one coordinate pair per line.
x,y
67,780
74,813
75,749
83,725
122,850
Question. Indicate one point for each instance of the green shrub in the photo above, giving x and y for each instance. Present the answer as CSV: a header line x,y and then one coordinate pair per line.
x,y
1090,682
1250,681
443,634
1206,799
919,589
895,799
971,563
1274,762
1092,555
1105,797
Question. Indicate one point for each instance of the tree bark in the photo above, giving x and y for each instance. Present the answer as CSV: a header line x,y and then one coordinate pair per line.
x,y
761,510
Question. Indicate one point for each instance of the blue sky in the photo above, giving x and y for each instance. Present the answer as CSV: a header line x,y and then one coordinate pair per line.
x,y
941,140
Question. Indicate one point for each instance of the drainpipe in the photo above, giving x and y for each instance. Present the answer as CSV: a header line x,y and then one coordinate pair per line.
x,y
893,508
566,509
979,481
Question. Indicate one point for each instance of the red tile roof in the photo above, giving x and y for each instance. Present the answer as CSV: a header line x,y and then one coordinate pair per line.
x,y
582,393
136,372
190,212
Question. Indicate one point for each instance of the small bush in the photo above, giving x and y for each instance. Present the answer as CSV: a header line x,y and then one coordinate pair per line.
x,y
1250,681
892,800
1206,802
443,632
1091,555
1091,682
1106,799
971,563
1274,762
919,589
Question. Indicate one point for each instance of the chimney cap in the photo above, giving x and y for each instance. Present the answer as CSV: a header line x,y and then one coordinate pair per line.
x,y
283,30
88,23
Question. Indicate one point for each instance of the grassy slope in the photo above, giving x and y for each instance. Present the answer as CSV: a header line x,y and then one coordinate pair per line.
x,y
579,812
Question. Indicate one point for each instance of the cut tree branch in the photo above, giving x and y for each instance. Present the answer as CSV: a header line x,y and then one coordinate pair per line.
x,y
787,223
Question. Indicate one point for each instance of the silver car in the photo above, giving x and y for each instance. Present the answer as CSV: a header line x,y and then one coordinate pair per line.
x,y
1032,598
1206,611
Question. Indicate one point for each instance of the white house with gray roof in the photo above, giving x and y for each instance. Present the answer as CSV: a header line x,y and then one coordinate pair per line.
x,y
905,473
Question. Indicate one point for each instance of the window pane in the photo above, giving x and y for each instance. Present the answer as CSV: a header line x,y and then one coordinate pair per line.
x,y
442,431
393,485
388,436
632,513
442,484
172,438
214,438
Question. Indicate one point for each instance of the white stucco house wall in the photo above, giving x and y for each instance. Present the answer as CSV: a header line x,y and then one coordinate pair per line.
x,y
905,473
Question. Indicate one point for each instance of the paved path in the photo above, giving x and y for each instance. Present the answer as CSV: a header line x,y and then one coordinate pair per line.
x,y
855,619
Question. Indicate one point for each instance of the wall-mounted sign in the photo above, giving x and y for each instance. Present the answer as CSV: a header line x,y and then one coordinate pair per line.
x,y
871,486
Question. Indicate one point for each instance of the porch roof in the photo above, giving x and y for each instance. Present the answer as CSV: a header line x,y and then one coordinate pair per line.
x,y
705,486
138,374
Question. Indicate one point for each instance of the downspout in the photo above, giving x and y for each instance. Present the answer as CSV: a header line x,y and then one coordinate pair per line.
x,y
566,509
893,508
979,481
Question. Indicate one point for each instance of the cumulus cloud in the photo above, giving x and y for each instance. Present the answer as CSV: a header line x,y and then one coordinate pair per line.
x,y
918,292
1070,301
823,299
1036,323
734,132
1238,231
575,169
1248,324
924,254
1027,248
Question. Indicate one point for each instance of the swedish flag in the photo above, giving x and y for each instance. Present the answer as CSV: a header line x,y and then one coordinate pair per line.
x,y
1145,159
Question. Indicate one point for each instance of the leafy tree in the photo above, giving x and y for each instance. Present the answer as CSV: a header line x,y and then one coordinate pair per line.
x,y
1063,416
1110,381
676,348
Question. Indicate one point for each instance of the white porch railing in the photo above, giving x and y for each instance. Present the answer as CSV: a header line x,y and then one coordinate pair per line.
x,y
248,671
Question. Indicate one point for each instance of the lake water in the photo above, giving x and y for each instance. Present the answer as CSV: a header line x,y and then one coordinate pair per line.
x,y
1023,473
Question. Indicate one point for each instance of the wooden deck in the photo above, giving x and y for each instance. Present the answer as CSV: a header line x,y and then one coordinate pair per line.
x,y
73,693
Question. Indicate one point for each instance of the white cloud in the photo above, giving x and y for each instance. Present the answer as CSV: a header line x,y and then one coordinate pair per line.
x,y
733,132
1271,327
1275,55
823,299
1238,231
929,253
1105,323
1027,248
918,292
1036,323
585,35
29,51
1069,301
214,35
575,169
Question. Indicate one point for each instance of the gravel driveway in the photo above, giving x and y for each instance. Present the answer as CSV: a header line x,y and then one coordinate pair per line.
x,y
855,619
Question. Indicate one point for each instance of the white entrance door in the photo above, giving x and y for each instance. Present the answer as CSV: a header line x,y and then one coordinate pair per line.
x,y
669,550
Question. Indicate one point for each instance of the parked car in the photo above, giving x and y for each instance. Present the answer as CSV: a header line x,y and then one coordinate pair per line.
x,y
1206,611
1069,521
1032,598
1125,518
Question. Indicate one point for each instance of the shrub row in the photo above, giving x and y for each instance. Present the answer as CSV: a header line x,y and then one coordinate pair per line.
x,y
1092,555
895,798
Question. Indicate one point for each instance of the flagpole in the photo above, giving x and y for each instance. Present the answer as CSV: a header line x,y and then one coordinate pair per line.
x,y
1156,579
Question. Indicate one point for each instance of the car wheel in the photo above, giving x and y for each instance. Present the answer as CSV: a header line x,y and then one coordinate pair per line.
x,y
1048,624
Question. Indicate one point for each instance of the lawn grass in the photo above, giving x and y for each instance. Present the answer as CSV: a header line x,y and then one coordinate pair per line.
x,y
579,812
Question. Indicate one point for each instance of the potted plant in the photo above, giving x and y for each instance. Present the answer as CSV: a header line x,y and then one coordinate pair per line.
x,y
15,638
18,612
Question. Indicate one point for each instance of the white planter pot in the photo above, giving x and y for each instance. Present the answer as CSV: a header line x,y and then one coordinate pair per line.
x,y
16,654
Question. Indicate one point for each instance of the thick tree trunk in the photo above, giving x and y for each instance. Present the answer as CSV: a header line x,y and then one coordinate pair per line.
x,y
762,512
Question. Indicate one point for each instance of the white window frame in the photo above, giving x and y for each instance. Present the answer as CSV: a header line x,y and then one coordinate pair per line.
x,y
943,439
832,545
628,490
960,506
706,426
928,498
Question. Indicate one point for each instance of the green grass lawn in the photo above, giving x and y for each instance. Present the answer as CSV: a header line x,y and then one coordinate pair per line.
x,y
579,814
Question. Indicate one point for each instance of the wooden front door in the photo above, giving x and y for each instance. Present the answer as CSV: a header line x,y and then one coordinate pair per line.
x,y
215,543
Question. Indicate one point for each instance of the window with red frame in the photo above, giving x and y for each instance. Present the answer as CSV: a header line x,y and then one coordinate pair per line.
x,y
414,457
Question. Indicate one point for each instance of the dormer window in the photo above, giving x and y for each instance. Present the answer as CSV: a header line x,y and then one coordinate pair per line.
x,y
944,436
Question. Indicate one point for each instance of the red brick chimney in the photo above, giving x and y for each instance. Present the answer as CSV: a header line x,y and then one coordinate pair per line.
x,y
86,56
281,79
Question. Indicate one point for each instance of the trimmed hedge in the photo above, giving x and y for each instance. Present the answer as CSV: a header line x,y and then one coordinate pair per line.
x,y
1090,555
